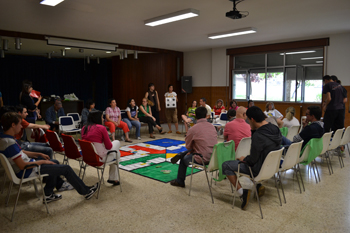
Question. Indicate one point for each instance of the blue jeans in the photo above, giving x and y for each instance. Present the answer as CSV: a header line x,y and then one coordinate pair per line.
x,y
54,180
37,147
184,162
137,125
285,141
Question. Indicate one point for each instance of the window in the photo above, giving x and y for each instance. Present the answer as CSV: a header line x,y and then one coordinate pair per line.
x,y
291,76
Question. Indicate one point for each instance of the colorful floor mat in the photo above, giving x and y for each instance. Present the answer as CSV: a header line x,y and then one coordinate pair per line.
x,y
152,159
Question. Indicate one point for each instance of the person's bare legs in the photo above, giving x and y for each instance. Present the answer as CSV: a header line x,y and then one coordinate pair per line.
x,y
233,180
177,127
169,125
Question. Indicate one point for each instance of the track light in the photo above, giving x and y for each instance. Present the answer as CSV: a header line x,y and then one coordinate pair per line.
x,y
88,60
121,56
80,44
49,55
63,53
81,50
5,45
18,43
98,60
125,53
2,54
135,54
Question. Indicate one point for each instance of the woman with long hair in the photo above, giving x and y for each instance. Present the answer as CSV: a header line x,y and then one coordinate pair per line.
x,y
132,117
233,105
152,95
271,111
190,116
89,106
290,120
113,120
219,107
28,101
96,133
145,115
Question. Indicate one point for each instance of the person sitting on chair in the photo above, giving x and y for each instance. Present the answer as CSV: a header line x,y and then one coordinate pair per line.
x,y
190,115
231,115
200,139
96,133
203,103
90,106
11,123
266,137
132,120
53,114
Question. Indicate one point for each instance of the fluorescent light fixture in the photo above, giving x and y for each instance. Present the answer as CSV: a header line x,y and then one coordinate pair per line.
x,y
237,32
172,17
319,61
66,48
51,2
311,58
291,53
80,44
108,52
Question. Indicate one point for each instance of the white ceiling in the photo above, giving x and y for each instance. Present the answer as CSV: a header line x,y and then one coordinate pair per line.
x,y
116,21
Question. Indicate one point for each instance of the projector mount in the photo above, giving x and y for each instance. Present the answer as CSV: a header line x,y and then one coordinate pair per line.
x,y
235,14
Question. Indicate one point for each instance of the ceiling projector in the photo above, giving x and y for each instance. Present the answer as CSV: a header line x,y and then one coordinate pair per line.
x,y
235,14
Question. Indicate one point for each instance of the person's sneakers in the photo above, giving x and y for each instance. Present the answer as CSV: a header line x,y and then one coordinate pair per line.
x,y
178,132
66,186
260,189
92,191
170,131
52,197
138,138
245,198
175,183
115,183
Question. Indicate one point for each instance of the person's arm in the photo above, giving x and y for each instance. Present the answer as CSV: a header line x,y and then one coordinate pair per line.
x,y
119,119
225,134
84,116
255,151
21,164
1,102
280,123
327,101
189,140
28,102
35,126
158,102
38,102
132,118
105,138
35,155
146,113
146,95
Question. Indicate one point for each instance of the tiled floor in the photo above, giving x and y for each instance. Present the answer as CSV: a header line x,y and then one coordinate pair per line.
x,y
146,205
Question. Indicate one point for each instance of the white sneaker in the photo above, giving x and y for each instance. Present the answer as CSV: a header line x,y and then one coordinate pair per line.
x,y
66,186
52,197
138,138
122,138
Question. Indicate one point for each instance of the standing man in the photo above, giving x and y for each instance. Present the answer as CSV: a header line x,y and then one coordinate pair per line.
x,y
200,139
53,113
333,105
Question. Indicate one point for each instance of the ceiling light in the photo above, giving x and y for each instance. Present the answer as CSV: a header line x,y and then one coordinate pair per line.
x,y
319,61
121,56
108,52
18,43
63,52
80,44
311,58
66,48
125,53
5,45
176,16
51,2
135,54
290,53
88,60
237,32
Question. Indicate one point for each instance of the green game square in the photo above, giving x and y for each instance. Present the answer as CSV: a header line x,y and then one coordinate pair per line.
x,y
156,174
142,160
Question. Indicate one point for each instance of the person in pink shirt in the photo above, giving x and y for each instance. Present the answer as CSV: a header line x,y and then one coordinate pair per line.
x,y
201,139
96,133
233,105
113,120
238,128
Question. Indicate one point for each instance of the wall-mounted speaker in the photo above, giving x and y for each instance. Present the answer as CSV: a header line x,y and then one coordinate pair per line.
x,y
186,84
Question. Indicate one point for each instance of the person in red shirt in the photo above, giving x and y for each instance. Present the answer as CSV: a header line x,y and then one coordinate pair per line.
x,y
38,147
219,107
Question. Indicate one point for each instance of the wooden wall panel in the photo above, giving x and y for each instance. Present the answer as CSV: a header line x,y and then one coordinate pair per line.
x,y
132,76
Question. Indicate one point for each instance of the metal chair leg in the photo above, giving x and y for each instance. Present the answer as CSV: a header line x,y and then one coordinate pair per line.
x,y
256,191
120,183
280,180
278,190
205,170
318,174
301,178
235,190
296,176
189,193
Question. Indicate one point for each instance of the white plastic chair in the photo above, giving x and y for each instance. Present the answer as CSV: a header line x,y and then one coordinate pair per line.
x,y
290,161
301,159
345,140
13,178
76,118
292,131
268,170
67,125
334,144
301,123
326,145
243,148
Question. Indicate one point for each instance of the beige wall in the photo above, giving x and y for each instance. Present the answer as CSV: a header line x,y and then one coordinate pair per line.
x,y
198,64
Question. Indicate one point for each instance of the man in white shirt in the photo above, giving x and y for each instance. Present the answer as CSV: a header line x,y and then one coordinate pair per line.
x,y
203,103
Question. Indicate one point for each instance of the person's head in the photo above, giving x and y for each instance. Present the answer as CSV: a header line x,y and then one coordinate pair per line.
x,y
219,103
290,113
326,79
231,113
241,113
313,113
201,112
194,104
255,116
269,106
338,81
11,123
90,104
334,78
4,109
112,102
170,88
27,86
151,86
202,102
233,104
131,103
58,104
250,103
144,102
94,118
22,110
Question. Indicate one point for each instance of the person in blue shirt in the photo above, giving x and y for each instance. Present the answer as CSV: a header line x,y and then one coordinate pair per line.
x,y
53,113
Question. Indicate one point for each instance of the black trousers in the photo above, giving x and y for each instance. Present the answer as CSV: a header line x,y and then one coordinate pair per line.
x,y
150,123
333,120
155,113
